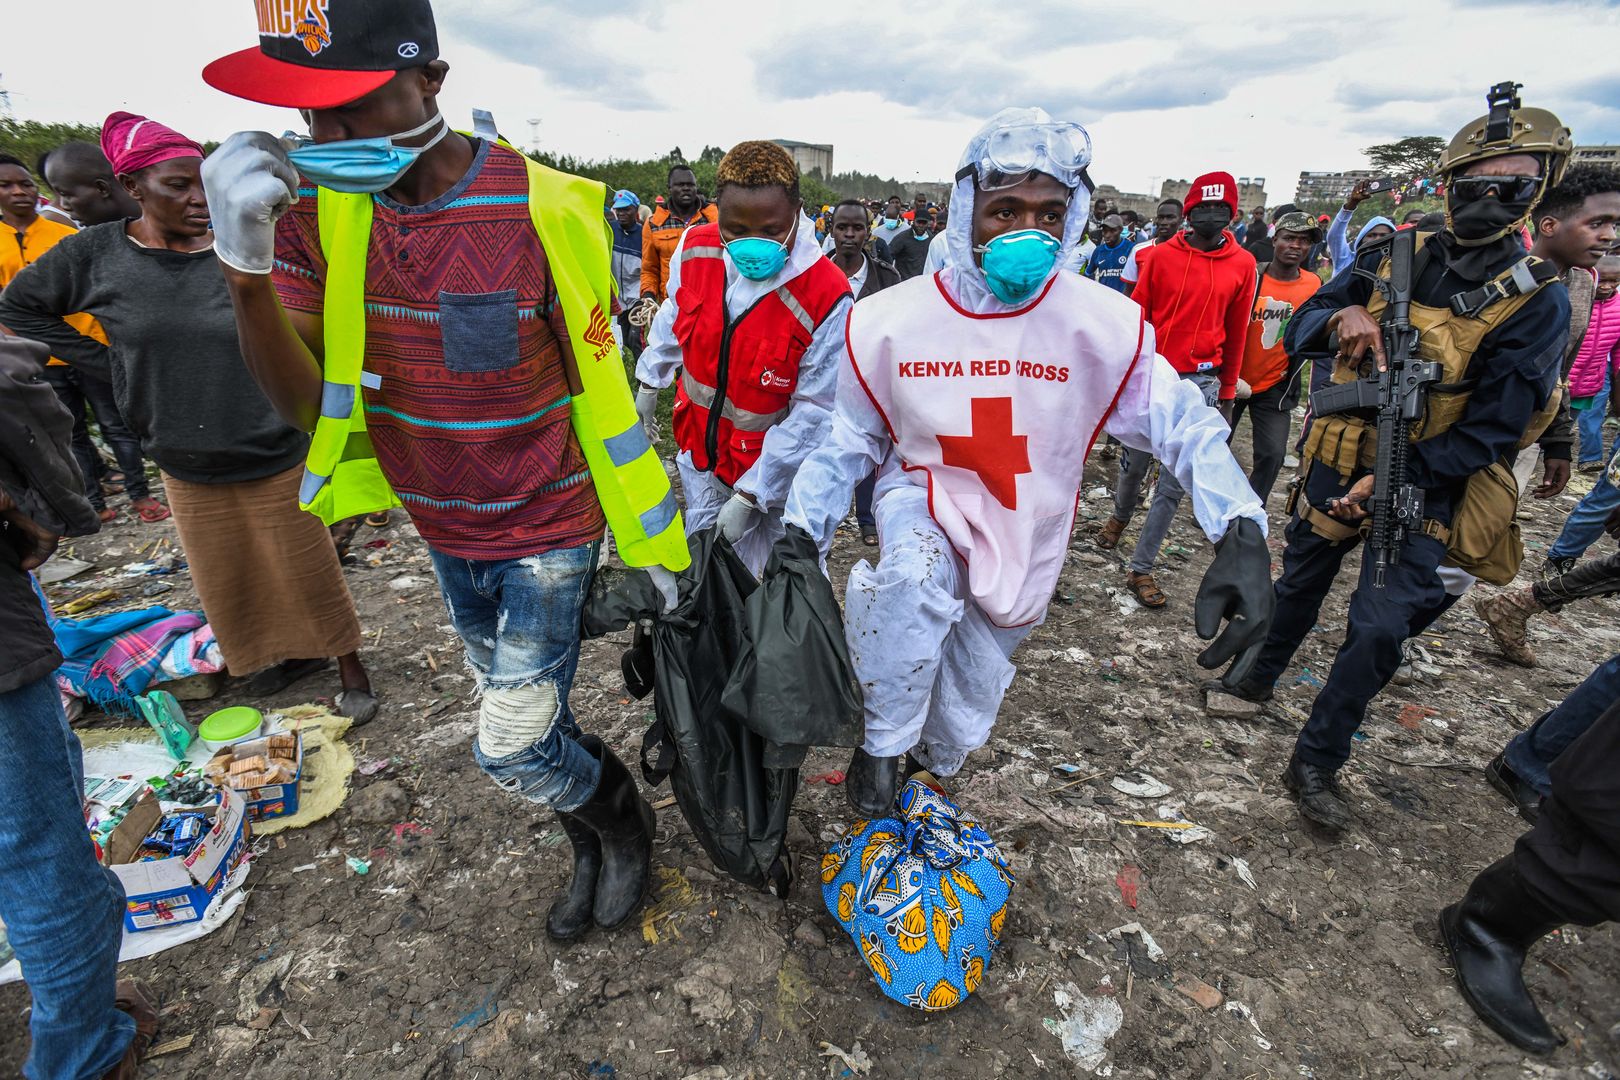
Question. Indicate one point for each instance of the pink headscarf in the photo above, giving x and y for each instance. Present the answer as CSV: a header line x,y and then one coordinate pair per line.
x,y
133,142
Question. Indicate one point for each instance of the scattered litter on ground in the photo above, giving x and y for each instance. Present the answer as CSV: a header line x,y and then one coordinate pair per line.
x,y
1240,1009
361,867
1129,880
855,1059
1140,785
1087,1025
1118,933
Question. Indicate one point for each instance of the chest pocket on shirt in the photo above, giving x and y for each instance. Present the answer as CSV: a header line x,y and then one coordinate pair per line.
x,y
480,330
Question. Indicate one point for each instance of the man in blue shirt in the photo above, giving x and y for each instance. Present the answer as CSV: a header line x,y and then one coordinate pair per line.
x,y
1109,259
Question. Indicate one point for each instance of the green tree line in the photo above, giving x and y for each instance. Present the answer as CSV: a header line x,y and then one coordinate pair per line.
x,y
29,139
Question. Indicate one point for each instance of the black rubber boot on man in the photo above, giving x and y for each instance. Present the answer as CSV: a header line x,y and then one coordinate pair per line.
x,y
1317,790
871,783
1525,799
570,916
623,823
1487,935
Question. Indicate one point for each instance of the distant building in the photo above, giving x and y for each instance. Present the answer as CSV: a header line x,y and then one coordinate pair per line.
x,y
1608,156
809,157
1324,186
1251,192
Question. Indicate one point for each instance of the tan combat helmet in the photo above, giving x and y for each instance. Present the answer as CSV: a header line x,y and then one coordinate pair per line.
x,y
1510,129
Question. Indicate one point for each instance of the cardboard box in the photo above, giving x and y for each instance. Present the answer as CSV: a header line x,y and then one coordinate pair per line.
x,y
164,892
276,800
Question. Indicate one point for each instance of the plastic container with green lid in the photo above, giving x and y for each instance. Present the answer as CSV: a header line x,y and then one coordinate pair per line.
x,y
232,725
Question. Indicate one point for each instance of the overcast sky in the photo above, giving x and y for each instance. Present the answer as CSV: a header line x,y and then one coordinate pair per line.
x,y
1166,89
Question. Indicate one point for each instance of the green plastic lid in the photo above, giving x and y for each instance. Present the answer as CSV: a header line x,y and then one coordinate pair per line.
x,y
232,723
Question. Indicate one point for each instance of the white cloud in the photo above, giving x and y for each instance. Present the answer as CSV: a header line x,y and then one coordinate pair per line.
x,y
1166,90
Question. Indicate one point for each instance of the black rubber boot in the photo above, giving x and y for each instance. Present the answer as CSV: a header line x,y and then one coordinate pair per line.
x,y
871,783
623,823
1525,799
1487,935
1318,792
571,916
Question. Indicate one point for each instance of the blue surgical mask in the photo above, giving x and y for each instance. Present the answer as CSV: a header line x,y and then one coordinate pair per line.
x,y
757,258
361,166
1016,264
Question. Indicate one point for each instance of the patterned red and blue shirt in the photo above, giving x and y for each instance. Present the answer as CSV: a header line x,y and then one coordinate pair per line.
x,y
465,391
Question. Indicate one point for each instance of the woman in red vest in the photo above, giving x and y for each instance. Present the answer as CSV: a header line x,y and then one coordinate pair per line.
x,y
754,325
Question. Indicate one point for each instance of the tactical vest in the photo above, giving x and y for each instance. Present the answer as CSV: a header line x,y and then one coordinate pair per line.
x,y
341,475
747,367
1482,537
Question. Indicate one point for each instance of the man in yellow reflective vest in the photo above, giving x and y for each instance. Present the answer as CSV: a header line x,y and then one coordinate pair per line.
x,y
434,307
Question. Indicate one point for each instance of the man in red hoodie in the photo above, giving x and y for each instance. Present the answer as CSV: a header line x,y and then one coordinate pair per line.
x,y
1196,291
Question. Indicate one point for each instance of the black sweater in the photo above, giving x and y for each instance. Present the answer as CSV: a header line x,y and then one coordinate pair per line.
x,y
175,362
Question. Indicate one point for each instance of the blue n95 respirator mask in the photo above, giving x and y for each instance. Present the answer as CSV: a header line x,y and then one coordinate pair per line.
x,y
1016,264
757,258
362,166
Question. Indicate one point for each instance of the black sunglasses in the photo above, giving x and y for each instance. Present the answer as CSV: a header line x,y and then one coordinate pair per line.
x,y
1507,188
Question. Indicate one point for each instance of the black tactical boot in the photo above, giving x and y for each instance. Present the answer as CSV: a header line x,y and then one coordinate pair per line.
x,y
1525,799
871,783
570,916
1248,689
1317,789
623,823
1487,935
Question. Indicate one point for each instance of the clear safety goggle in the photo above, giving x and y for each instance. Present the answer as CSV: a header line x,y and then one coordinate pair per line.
x,y
1012,154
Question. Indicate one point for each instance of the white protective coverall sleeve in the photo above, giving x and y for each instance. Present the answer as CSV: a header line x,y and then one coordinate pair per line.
x,y
857,441
1160,412
661,359
810,411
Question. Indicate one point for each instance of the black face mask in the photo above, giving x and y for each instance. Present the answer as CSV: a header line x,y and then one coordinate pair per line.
x,y
1208,221
1483,219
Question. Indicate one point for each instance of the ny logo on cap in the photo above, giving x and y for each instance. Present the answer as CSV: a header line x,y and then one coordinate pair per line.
x,y
1214,191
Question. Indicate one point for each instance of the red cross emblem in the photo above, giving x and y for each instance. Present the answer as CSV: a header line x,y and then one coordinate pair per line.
x,y
992,451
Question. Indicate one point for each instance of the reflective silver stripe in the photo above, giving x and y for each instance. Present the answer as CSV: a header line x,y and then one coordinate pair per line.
x,y
628,445
337,400
702,253
741,419
310,486
660,517
797,308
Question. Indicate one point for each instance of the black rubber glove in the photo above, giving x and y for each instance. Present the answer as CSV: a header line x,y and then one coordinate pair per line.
x,y
1237,589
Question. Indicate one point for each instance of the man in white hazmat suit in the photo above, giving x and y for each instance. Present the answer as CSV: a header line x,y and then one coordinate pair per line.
x,y
754,325
977,393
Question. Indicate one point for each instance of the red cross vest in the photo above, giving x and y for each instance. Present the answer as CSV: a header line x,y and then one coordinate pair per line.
x,y
996,413
738,375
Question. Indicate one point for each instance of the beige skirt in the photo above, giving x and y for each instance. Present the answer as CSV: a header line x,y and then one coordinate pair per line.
x,y
266,572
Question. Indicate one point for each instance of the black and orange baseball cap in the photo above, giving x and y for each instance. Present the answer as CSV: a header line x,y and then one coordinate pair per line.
x,y
319,54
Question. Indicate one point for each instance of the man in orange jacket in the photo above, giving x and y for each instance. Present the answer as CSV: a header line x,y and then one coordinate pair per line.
x,y
683,209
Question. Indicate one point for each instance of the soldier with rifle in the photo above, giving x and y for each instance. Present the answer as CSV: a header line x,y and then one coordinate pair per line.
x,y
1446,351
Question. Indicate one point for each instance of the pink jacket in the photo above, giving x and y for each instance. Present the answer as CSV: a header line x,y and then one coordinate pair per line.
x,y
1600,350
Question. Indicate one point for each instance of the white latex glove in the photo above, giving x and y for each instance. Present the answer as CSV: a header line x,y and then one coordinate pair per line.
x,y
1243,390
647,409
665,580
250,184
736,517
643,313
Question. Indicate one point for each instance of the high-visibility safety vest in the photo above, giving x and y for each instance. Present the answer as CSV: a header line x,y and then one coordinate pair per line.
x,y
342,477
738,375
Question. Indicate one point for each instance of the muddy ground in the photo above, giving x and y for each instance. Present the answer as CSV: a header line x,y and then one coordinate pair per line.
x,y
1326,965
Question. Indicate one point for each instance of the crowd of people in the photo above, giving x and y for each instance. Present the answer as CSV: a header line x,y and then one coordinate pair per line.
x,y
388,313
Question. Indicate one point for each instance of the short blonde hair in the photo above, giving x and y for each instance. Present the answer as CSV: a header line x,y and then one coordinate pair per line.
x,y
758,164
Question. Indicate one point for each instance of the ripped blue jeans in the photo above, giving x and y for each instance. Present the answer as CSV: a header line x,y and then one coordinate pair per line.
x,y
519,621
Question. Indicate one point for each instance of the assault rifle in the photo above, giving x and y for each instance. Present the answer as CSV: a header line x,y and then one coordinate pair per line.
x,y
1394,398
